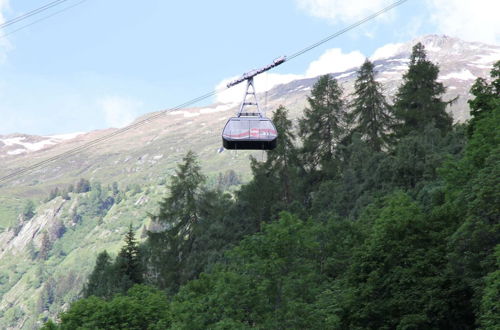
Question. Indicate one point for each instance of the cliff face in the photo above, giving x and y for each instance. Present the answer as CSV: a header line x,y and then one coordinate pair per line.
x,y
16,240
45,260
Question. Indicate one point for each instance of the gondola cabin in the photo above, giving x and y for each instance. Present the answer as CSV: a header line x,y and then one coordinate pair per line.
x,y
249,133
250,130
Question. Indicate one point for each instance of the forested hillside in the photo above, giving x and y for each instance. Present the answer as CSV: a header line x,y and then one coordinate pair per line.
x,y
368,215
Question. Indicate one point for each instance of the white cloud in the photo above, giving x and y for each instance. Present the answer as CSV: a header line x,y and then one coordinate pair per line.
x,y
119,111
470,20
333,60
386,51
342,10
262,82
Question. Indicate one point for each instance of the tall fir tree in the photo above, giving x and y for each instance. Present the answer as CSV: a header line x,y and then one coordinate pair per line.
x,y
486,97
127,264
179,210
418,101
45,247
323,125
178,215
370,111
272,185
282,161
101,281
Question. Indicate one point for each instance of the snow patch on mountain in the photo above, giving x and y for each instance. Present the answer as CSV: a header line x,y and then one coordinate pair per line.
x,y
18,144
488,58
195,113
345,75
464,74
218,108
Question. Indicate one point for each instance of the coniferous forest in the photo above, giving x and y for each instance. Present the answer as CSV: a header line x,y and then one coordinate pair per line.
x,y
369,214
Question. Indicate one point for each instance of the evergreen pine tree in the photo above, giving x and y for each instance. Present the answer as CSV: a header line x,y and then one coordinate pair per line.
x,y
28,210
45,247
101,281
272,186
323,124
178,215
486,97
418,101
370,110
282,161
128,263
179,209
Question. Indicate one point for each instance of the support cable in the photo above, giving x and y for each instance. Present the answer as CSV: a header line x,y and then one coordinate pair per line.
x,y
31,13
140,123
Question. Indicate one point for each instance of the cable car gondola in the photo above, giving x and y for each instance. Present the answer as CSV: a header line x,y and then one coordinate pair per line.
x,y
249,130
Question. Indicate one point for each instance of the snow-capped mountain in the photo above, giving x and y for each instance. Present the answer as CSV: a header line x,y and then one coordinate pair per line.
x,y
16,144
147,154
460,63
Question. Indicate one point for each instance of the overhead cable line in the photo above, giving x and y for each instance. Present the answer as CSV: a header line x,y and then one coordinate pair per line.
x,y
134,125
344,30
106,137
42,19
31,13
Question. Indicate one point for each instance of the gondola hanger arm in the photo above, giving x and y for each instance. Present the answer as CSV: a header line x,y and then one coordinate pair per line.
x,y
250,74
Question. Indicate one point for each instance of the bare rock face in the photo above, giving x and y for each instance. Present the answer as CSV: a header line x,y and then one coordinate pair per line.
x,y
16,240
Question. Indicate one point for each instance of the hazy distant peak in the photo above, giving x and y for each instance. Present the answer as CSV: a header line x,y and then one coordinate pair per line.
x,y
16,144
436,46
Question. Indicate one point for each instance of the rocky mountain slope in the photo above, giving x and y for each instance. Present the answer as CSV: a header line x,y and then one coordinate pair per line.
x,y
145,152
59,244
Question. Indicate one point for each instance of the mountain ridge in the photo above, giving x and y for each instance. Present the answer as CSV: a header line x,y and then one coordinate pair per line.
x,y
74,225
146,152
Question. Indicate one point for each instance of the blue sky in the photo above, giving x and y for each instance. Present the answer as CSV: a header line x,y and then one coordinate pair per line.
x,y
103,63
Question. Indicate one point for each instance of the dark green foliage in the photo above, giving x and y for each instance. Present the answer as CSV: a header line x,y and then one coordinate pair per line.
x,y
271,282
324,123
82,186
282,162
179,209
98,201
179,213
474,194
272,186
109,278
45,247
370,110
397,278
49,325
417,157
490,302
486,96
28,210
101,281
47,296
57,229
398,236
127,264
142,308
418,101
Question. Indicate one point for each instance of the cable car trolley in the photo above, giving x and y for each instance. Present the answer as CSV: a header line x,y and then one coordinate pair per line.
x,y
250,129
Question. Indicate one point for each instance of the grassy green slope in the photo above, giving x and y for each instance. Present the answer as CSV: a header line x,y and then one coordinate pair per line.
x,y
32,288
